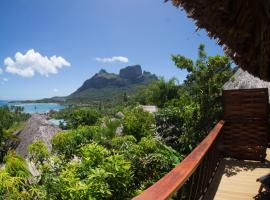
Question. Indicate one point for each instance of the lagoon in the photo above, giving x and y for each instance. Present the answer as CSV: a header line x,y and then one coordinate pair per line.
x,y
35,107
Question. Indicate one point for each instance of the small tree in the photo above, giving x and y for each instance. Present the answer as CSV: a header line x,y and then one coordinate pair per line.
x,y
187,119
204,83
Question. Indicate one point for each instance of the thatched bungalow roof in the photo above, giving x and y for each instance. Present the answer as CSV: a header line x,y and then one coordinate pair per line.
x,y
243,80
242,26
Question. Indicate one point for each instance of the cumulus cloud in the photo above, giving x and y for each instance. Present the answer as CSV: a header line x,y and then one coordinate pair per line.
x,y
113,59
33,62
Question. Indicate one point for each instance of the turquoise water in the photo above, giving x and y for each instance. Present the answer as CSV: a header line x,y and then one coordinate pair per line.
x,y
35,107
2,103
57,121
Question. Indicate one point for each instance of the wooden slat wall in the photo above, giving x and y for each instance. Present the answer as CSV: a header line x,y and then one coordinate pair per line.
x,y
246,113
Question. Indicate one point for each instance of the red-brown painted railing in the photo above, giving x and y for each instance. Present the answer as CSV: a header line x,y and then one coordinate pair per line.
x,y
190,178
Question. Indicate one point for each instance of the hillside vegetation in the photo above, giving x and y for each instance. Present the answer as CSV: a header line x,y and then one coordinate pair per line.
x,y
105,86
117,153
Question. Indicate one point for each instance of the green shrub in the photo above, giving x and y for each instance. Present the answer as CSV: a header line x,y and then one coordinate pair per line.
x,y
150,158
138,123
82,117
38,152
67,142
16,166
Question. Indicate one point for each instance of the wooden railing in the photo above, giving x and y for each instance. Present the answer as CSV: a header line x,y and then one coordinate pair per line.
x,y
190,178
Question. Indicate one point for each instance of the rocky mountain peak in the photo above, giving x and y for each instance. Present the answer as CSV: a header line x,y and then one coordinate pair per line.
x,y
131,72
127,77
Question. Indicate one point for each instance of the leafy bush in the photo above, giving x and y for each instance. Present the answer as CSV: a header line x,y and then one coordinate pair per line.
x,y
66,143
109,127
10,121
92,156
169,122
79,117
188,118
150,158
120,176
38,152
138,123
15,180
16,165
96,175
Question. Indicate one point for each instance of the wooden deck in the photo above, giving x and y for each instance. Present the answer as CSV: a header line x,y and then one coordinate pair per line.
x,y
236,180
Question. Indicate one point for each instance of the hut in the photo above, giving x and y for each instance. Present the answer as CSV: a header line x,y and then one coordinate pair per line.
x,y
242,27
244,80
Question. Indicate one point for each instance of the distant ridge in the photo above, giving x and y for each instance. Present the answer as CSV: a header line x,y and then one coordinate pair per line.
x,y
105,86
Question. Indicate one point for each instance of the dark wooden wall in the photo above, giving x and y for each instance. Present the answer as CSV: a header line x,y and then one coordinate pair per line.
x,y
245,134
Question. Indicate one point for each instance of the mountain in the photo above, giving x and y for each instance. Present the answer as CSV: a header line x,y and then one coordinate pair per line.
x,y
106,86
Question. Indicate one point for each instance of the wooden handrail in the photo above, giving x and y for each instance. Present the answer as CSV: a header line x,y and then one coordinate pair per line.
x,y
176,178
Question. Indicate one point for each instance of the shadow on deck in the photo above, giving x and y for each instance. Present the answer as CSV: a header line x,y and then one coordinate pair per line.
x,y
236,180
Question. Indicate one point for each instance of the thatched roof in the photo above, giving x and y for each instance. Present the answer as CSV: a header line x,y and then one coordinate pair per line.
x,y
36,128
243,80
242,26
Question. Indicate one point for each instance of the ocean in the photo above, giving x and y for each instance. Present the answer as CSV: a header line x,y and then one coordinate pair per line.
x,y
2,103
35,107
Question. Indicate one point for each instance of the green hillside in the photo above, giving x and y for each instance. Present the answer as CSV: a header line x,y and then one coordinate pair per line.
x,y
104,86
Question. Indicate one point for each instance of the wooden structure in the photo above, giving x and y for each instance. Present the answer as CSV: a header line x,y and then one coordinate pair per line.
x,y
242,26
243,136
246,130
236,180
191,178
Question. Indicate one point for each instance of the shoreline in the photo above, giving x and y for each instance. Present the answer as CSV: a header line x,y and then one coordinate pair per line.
x,y
40,108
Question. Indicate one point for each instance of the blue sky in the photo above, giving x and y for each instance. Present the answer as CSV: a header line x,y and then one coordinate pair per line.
x,y
58,42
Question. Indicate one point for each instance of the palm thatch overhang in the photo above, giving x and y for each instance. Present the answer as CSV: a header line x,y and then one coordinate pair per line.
x,y
243,80
242,26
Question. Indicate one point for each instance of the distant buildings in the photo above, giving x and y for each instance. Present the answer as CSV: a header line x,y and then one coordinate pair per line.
x,y
150,109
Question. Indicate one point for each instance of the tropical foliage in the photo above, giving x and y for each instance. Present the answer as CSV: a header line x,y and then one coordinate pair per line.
x,y
138,123
189,110
104,156
11,119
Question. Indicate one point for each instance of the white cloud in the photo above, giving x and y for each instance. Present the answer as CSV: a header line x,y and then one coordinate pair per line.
x,y
113,59
55,90
1,71
33,62
5,79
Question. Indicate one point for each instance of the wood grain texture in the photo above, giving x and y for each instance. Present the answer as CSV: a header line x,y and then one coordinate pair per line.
x,y
236,180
